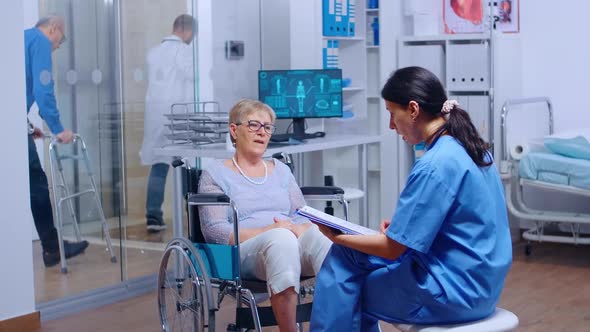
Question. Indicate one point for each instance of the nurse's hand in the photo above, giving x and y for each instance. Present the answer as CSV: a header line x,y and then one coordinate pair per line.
x,y
329,232
384,224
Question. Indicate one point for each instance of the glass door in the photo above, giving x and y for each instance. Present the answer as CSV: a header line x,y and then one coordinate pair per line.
x,y
100,85
147,26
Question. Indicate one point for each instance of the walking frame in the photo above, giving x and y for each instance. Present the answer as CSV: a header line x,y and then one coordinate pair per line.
x,y
61,194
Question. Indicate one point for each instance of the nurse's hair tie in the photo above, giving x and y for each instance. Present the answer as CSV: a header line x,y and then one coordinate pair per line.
x,y
448,106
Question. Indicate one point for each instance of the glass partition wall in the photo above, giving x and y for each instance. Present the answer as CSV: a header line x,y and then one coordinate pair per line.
x,y
100,83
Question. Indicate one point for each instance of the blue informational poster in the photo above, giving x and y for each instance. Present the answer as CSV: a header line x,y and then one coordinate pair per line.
x,y
339,18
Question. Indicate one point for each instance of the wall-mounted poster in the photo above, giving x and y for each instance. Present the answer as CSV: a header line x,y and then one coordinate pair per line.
x,y
507,13
463,16
472,16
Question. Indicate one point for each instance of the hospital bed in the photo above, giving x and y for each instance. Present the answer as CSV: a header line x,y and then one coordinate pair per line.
x,y
541,170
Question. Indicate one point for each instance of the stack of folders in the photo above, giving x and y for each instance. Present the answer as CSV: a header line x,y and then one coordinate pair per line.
x,y
339,18
341,225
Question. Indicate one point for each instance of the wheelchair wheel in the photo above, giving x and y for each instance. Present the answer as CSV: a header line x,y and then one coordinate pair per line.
x,y
183,296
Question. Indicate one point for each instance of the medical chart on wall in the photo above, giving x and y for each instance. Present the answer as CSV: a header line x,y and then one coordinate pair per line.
x,y
508,16
472,16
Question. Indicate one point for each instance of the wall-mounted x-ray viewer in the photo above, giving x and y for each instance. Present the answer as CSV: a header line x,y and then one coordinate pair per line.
x,y
234,49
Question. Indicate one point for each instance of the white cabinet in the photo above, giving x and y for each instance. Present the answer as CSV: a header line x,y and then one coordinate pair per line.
x,y
462,63
429,56
468,65
481,71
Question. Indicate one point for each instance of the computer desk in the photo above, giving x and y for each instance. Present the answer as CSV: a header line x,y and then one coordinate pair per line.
x,y
219,151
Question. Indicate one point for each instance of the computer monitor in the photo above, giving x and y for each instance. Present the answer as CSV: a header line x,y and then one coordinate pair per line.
x,y
301,93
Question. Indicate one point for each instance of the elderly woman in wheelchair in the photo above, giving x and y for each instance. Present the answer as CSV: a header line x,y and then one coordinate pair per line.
x,y
276,245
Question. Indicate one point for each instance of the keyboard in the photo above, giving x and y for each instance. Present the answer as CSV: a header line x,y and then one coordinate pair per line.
x,y
272,145
280,137
285,137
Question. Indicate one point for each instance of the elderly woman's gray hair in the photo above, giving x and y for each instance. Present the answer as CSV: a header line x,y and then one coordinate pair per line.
x,y
240,111
245,107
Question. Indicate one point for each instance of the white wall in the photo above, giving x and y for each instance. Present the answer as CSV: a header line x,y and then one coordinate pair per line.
x,y
16,279
556,57
31,16
205,49
235,79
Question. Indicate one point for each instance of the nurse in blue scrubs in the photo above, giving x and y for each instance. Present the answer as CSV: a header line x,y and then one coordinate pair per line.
x,y
444,255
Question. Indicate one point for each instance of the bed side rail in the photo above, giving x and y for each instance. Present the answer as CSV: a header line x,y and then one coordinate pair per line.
x,y
507,106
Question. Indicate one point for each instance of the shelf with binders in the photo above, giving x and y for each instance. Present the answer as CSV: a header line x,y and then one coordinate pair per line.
x,y
372,54
349,53
372,30
463,64
444,37
344,38
373,100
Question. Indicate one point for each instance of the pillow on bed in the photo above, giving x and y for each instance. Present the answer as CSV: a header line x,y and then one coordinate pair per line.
x,y
577,147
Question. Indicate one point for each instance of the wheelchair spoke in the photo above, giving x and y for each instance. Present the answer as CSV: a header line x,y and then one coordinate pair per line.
x,y
180,295
177,289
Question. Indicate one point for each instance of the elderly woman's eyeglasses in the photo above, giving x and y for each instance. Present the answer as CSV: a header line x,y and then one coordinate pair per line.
x,y
254,126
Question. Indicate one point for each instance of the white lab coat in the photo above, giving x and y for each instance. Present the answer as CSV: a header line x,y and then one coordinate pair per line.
x,y
171,79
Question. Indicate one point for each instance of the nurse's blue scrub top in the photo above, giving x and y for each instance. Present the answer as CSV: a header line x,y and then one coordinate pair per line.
x,y
452,217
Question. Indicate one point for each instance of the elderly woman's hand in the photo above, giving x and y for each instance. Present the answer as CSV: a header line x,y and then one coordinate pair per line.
x,y
299,229
282,223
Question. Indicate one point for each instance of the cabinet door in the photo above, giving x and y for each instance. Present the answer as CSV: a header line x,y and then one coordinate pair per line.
x,y
478,108
468,67
430,57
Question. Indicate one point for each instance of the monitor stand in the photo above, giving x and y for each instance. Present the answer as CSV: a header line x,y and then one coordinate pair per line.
x,y
298,134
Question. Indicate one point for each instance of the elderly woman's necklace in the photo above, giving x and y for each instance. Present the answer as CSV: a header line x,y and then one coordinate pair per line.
x,y
233,159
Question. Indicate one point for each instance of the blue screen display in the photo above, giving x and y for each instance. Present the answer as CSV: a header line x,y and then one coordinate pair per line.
x,y
302,93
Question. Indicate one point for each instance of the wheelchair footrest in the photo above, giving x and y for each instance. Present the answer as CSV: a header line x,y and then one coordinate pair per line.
x,y
244,319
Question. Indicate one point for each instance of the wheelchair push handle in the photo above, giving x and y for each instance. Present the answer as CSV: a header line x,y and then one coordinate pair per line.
x,y
180,162
177,162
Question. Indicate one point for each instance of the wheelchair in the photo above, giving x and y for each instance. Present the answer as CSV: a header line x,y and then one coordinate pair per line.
x,y
195,277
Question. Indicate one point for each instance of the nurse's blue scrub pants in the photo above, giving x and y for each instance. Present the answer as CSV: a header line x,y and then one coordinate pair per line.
x,y
355,290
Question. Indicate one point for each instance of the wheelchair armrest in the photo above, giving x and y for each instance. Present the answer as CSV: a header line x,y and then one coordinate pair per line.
x,y
204,199
323,190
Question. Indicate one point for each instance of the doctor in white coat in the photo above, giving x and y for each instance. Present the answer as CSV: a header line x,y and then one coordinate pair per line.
x,y
171,79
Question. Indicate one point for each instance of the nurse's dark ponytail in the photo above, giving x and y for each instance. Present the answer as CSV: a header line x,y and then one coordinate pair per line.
x,y
423,87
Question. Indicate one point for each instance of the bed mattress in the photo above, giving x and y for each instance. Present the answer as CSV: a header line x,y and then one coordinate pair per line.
x,y
557,169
